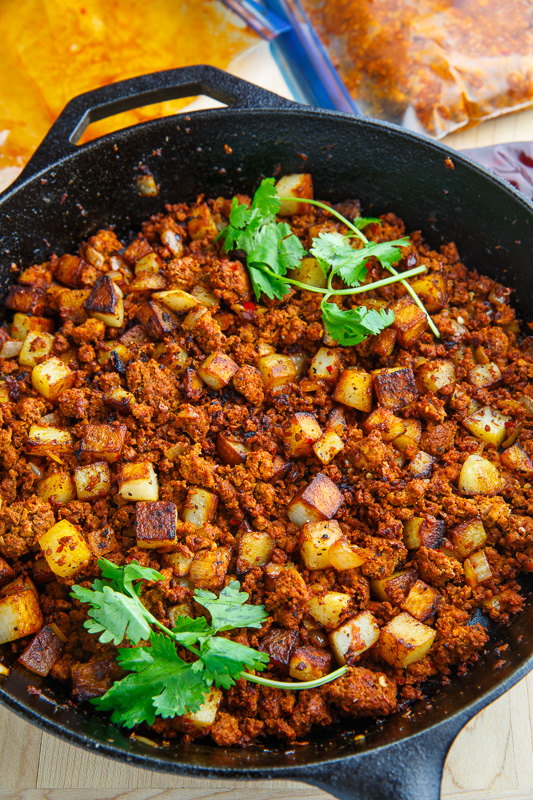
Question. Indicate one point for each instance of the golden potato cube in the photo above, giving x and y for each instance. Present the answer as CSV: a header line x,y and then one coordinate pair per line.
x,y
299,360
408,441
309,663
477,568
120,400
177,300
200,507
336,421
105,302
395,387
103,442
320,500
325,365
92,481
217,370
301,433
35,347
64,549
516,459
421,465
254,550
11,349
28,299
155,524
328,446
58,488
354,389
483,375
200,224
20,615
343,555
328,609
115,357
5,397
295,185
394,588
48,441
488,425
436,375
180,563
316,539
230,451
309,272
423,532
421,602
205,716
404,640
149,264
479,476
409,323
51,377
204,296
384,421
23,324
468,536
276,370
138,481
354,637
194,317
209,567
432,290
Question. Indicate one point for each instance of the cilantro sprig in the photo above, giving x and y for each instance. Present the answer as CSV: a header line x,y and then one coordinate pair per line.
x,y
272,249
160,682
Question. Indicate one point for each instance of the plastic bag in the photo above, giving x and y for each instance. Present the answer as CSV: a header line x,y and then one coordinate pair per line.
x,y
432,65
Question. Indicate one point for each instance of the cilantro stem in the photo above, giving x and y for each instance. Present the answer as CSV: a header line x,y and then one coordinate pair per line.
x,y
418,302
331,211
366,287
295,685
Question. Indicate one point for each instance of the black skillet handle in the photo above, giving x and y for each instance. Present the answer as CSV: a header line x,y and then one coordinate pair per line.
x,y
408,770
155,87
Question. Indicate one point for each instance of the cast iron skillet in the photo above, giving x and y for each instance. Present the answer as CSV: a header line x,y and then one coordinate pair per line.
x,y
67,193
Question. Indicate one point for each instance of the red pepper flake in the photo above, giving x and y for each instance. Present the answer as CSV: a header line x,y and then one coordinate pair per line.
x,y
233,521
329,368
248,306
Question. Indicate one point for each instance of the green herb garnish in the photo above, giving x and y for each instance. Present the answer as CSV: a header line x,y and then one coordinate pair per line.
x,y
272,249
161,683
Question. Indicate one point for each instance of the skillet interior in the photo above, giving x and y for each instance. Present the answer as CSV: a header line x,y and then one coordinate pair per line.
x,y
387,169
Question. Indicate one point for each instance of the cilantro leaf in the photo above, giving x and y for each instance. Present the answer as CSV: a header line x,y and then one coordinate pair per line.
x,y
188,631
121,578
352,326
270,285
266,198
114,615
231,609
362,222
334,251
225,660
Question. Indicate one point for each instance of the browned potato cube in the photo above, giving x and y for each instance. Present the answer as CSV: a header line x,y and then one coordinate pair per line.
x,y
432,290
6,573
255,549
279,644
395,587
309,272
105,302
147,283
421,465
115,356
35,347
149,264
468,536
354,389
43,651
230,451
321,499
200,507
69,270
434,376
383,343
276,370
325,365
488,425
410,322
157,320
423,532
65,549
58,488
201,224
343,555
48,441
177,300
155,524
309,663
103,441
301,433
483,375
516,459
20,615
336,421
421,602
102,541
479,476
330,608
120,400
354,637
316,540
328,446
23,324
138,481
203,295
209,568
477,568
180,563
27,299
217,370
51,377
92,481
407,443
384,421
294,186
395,387
404,640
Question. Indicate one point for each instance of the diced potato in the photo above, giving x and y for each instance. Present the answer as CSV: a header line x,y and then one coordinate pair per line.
x,y
23,324
301,433
150,264
205,716
28,299
328,446
231,451
102,541
432,290
204,296
294,185
477,568
200,507
383,343
437,375
194,316
404,640
157,320
421,465
483,375
138,481
105,302
328,609
384,421
6,572
51,377
320,500
11,348
255,549
407,442
65,549
309,663
479,476
316,540
325,365
276,370
468,536
516,459
395,587
336,421
421,602
20,615
354,637
488,425
299,360
115,357
177,300
58,488
92,481
309,272
35,347
217,370
343,555
48,441
4,393
209,568
279,644
103,442
200,224
43,651
354,389
120,400
193,386
409,323
180,563
156,524
395,387
423,532
68,270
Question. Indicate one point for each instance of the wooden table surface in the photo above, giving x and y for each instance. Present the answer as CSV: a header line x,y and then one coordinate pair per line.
x,y
491,759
